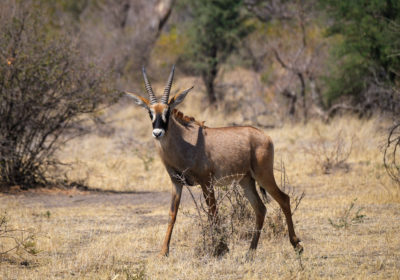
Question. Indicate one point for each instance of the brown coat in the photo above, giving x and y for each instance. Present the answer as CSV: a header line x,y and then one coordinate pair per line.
x,y
194,154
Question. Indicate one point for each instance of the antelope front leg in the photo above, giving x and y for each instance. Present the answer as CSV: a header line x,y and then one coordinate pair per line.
x,y
173,211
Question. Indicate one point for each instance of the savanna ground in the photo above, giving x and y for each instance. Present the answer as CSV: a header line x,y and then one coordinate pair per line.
x,y
117,235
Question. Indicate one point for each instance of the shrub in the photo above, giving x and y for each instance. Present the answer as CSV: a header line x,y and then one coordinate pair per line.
x,y
19,241
366,62
44,89
348,217
332,154
215,33
235,219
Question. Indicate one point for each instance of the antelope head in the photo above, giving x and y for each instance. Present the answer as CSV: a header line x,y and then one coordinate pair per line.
x,y
159,111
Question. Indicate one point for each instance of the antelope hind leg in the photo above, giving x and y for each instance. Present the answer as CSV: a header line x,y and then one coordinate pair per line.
x,y
249,188
284,202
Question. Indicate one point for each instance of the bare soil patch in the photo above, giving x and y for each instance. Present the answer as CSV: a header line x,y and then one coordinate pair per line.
x,y
50,198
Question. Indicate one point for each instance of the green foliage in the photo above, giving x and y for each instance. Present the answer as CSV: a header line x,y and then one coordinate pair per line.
x,y
216,30
218,26
72,7
170,46
369,44
347,77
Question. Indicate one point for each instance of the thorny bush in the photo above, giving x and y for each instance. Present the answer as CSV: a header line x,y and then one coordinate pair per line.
x,y
329,154
45,87
21,242
235,220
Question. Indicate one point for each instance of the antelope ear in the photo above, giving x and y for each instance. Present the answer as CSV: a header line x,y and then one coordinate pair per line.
x,y
178,98
140,101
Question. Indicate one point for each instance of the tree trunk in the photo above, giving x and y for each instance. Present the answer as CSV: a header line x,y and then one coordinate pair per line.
x,y
303,95
210,74
208,79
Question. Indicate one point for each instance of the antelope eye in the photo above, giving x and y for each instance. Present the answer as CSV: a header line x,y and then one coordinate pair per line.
x,y
151,115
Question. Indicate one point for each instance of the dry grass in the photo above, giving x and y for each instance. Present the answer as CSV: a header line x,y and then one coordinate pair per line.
x,y
107,240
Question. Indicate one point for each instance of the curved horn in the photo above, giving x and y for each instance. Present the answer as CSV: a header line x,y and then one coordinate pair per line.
x,y
165,97
149,90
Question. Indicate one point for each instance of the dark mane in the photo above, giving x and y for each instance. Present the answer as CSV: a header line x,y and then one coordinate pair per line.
x,y
186,120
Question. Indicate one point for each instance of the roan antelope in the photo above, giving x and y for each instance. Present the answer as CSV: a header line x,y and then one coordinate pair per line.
x,y
194,154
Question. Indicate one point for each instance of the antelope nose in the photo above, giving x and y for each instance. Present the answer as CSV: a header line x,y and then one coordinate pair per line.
x,y
158,133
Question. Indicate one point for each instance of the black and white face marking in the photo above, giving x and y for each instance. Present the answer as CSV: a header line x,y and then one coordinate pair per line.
x,y
159,112
160,121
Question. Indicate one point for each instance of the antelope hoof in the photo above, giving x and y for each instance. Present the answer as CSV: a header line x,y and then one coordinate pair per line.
x,y
163,254
250,255
298,249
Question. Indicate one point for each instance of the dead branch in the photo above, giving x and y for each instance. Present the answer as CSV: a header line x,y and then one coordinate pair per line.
x,y
391,153
340,106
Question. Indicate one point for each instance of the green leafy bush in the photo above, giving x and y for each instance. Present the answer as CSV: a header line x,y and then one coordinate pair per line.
x,y
215,32
366,61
